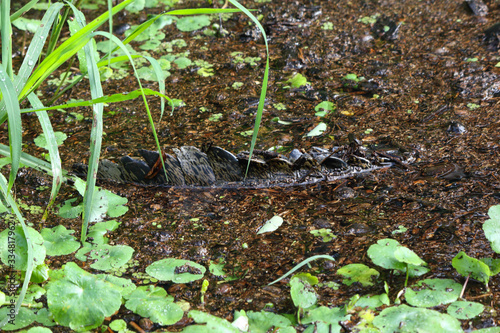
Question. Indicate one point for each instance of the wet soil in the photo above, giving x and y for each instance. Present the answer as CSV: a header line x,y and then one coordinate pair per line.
x,y
431,86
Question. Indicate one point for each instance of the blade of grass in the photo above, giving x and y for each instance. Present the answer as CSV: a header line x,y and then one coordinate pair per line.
x,y
97,126
65,51
105,99
55,159
32,162
33,53
23,10
305,262
262,99
6,33
14,123
29,268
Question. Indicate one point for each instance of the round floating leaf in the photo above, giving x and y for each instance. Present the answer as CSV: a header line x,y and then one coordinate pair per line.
x,y
383,254
373,301
116,204
493,264
80,300
298,80
176,270
124,286
465,310
323,314
41,140
433,292
19,248
58,241
24,318
213,323
318,130
492,228
302,293
324,108
182,62
407,256
407,319
110,257
153,303
192,23
273,224
466,265
39,330
358,273
263,321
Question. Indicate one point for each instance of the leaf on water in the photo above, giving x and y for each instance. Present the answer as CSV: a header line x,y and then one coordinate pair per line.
x,y
465,310
273,224
358,273
492,228
176,270
19,248
59,241
81,300
192,23
318,130
466,265
433,292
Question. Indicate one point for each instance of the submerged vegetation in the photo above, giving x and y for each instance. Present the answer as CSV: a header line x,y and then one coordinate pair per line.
x,y
79,299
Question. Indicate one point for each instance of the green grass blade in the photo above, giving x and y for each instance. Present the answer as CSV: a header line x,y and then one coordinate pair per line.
x,y
6,33
29,268
32,162
105,99
199,11
305,262
23,10
55,159
66,50
262,99
14,120
161,82
97,126
33,53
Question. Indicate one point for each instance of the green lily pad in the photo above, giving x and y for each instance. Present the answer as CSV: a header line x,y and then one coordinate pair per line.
x,y
384,254
24,318
176,270
59,241
262,321
192,23
358,273
404,318
19,248
466,265
110,257
318,130
492,228
41,141
465,310
80,300
154,303
323,314
213,324
298,80
433,292
302,293
271,225
373,301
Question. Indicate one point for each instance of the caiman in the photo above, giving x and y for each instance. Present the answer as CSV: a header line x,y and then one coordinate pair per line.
x,y
215,167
